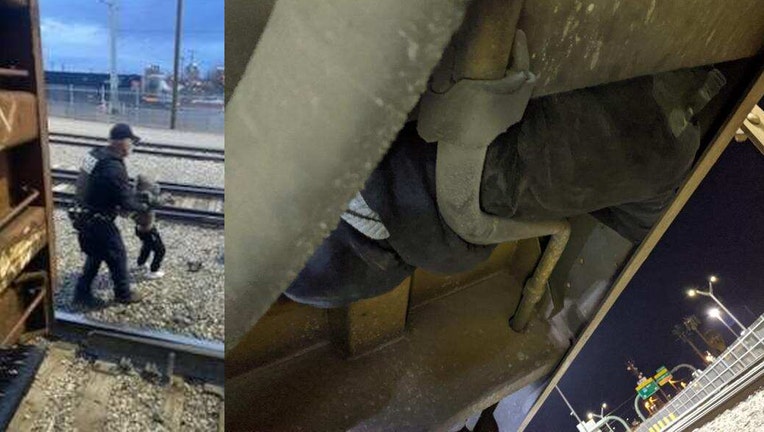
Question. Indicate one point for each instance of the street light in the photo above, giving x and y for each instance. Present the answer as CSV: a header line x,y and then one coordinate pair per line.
x,y
601,416
710,293
716,313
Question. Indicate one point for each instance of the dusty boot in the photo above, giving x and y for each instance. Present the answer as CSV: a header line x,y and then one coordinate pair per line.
x,y
133,297
88,301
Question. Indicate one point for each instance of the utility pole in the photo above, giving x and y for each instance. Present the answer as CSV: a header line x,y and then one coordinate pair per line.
x,y
176,70
113,78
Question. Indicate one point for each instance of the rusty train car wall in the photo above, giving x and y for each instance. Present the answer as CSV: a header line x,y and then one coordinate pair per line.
x,y
27,272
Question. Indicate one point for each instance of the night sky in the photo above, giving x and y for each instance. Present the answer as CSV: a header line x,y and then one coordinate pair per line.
x,y
720,231
75,34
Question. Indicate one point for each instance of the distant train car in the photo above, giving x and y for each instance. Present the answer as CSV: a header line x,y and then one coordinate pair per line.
x,y
90,80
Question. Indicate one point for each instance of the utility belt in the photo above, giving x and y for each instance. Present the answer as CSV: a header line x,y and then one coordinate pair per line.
x,y
81,216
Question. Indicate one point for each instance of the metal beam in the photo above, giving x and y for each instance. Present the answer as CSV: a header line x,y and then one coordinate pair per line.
x,y
582,44
328,87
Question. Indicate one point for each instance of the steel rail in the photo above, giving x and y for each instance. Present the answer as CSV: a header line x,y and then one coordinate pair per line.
x,y
182,355
163,150
59,174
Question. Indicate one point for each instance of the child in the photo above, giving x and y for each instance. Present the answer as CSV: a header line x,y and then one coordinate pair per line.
x,y
148,192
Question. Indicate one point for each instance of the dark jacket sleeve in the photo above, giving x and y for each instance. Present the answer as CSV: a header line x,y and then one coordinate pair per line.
x,y
119,184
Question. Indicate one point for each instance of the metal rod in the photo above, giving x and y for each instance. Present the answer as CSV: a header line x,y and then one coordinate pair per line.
x,y
729,328
10,72
572,411
20,207
16,329
727,311
535,286
176,64
636,408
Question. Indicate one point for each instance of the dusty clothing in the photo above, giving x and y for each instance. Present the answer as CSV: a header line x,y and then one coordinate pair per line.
x,y
148,193
611,151
615,149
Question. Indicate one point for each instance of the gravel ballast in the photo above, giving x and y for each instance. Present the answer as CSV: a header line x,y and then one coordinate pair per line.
x,y
745,416
134,403
169,169
184,302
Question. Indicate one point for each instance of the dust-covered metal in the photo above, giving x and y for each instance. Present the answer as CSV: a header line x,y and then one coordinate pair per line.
x,y
325,92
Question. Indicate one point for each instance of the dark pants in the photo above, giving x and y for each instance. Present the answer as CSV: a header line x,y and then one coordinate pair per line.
x,y
151,242
101,241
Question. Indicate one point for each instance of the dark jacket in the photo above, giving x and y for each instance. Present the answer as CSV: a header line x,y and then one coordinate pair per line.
x,y
103,186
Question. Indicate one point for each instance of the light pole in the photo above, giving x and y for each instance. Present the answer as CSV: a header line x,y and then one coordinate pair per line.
x,y
602,416
716,313
710,293
572,411
176,65
113,79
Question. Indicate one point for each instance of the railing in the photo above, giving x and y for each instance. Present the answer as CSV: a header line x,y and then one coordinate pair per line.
x,y
745,353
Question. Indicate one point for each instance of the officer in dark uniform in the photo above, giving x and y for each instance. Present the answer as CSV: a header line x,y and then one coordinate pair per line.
x,y
103,193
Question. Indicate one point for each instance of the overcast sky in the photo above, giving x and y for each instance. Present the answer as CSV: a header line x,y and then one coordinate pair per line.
x,y
75,34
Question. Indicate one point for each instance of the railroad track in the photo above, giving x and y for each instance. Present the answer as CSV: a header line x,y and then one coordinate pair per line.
x,y
174,360
201,205
155,149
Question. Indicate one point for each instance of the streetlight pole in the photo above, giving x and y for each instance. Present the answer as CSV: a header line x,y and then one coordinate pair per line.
x,y
572,411
602,416
113,78
176,65
715,313
710,293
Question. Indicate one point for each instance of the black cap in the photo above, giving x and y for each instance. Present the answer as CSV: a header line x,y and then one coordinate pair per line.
x,y
121,131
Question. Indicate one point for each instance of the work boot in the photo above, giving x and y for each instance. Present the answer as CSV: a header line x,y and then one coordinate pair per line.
x,y
133,297
88,301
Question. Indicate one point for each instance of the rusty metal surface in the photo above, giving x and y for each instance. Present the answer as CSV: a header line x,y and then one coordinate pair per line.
x,y
25,167
287,328
582,43
291,329
367,324
458,356
484,41
19,243
427,286
536,285
19,112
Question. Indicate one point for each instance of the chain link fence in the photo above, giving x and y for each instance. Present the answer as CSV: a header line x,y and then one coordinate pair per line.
x,y
197,113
